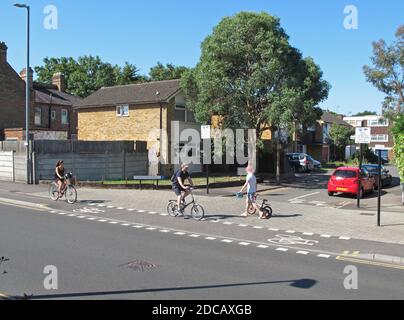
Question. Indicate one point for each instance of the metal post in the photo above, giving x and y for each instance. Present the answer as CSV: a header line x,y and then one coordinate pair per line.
x,y
379,187
359,178
207,178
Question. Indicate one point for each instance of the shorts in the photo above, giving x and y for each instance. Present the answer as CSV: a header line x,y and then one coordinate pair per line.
x,y
251,197
178,191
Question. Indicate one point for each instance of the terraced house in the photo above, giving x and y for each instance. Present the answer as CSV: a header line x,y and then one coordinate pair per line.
x,y
137,112
51,109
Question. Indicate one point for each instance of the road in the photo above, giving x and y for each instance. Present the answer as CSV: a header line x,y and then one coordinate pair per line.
x,y
100,255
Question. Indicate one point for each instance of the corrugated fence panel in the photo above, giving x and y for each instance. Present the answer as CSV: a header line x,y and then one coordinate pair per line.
x,y
6,166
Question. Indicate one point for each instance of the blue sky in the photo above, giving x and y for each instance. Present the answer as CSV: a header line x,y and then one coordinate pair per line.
x,y
144,32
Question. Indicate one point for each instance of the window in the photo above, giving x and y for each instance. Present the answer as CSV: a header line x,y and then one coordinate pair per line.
x,y
180,113
53,115
65,116
38,116
378,123
359,123
122,111
345,174
380,138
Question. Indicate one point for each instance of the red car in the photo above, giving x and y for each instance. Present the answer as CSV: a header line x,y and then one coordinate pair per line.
x,y
346,179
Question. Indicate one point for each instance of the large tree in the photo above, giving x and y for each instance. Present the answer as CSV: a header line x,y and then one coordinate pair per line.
x,y
87,74
166,72
251,76
398,132
387,73
340,137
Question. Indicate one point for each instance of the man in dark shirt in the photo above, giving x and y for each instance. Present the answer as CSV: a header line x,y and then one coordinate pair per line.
x,y
179,188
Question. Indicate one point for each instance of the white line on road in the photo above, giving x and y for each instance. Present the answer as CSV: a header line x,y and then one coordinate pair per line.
x,y
138,227
244,244
303,252
194,235
344,238
151,229
113,222
164,230
210,238
228,223
243,225
282,249
131,209
102,220
262,246
325,236
179,233
125,225
324,256
308,233
290,231
258,227
273,229
227,241
306,195
164,214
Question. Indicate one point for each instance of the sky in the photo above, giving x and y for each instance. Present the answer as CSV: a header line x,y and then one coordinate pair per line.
x,y
144,32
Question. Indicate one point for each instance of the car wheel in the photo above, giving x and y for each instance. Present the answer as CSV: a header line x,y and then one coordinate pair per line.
x,y
331,194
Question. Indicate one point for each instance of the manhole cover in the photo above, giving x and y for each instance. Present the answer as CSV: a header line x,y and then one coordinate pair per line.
x,y
140,266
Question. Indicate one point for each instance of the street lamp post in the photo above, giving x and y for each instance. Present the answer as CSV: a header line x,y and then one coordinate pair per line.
x,y
27,87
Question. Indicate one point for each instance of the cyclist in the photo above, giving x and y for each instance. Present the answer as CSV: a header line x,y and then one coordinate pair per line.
x,y
60,176
251,185
179,188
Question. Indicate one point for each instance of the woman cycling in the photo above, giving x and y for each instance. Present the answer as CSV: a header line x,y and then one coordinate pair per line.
x,y
60,176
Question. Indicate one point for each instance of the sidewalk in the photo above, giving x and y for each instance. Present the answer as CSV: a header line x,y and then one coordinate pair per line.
x,y
334,222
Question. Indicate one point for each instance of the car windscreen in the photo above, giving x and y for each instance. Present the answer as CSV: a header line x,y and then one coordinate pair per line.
x,y
293,157
371,169
345,174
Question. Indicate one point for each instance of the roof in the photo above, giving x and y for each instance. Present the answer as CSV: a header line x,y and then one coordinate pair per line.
x,y
145,93
49,94
331,118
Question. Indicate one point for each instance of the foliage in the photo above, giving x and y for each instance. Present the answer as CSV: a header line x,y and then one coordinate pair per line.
x,y
340,135
167,72
387,75
250,75
365,113
87,74
398,132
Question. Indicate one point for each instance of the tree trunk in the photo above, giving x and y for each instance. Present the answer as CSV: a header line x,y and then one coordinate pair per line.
x,y
278,159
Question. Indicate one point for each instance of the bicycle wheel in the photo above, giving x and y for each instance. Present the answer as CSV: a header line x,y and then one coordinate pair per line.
x,y
71,194
197,212
172,209
268,211
251,209
53,192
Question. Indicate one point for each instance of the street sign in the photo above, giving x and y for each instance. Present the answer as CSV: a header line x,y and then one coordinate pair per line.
x,y
205,132
363,136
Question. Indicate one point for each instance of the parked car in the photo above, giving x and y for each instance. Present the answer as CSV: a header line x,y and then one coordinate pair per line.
x,y
346,179
373,169
317,164
301,162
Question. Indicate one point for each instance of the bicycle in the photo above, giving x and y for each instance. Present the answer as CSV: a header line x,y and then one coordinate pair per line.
x,y
197,211
264,206
68,190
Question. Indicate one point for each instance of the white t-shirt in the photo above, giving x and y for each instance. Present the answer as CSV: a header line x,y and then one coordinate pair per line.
x,y
252,183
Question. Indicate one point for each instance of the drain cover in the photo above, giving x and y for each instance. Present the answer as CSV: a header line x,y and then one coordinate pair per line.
x,y
140,266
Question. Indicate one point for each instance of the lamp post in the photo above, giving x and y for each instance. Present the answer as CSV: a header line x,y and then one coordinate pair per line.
x,y
27,87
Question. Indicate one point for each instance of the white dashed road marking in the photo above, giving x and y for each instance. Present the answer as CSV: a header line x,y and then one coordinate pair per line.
x,y
303,252
244,244
282,249
227,241
324,256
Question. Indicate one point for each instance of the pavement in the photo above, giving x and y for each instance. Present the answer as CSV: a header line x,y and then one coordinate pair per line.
x,y
121,244
111,260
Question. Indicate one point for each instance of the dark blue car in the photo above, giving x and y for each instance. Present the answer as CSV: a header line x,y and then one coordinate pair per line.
x,y
373,170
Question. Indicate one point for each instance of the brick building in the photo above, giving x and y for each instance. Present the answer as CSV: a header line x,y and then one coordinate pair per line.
x,y
133,113
380,131
51,109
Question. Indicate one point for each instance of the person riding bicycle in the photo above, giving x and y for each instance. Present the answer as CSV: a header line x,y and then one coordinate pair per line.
x,y
179,188
251,186
60,175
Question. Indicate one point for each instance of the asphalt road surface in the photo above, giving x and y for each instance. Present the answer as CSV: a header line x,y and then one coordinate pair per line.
x,y
111,260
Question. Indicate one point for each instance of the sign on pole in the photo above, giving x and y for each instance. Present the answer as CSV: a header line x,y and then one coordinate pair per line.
x,y
363,136
205,132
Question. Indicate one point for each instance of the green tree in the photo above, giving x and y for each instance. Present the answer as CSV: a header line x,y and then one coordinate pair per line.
x,y
398,132
387,73
365,113
340,137
167,72
250,75
87,74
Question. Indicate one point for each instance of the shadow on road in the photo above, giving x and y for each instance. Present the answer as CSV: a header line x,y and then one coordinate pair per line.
x,y
300,283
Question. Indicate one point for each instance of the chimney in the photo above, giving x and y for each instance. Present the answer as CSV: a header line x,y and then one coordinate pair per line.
x,y
58,80
23,75
3,52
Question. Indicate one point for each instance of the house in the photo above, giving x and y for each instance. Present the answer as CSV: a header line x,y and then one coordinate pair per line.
x,y
51,108
316,142
136,112
381,137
